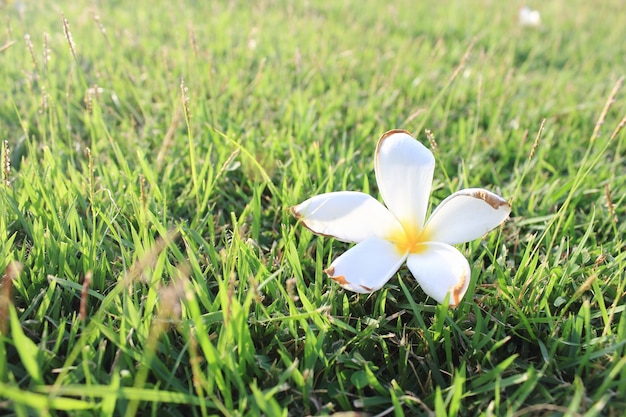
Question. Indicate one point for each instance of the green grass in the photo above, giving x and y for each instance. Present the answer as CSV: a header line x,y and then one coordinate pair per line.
x,y
157,159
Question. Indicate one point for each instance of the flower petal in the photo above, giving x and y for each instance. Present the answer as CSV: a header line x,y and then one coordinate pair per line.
x,y
367,266
441,269
404,172
466,215
346,215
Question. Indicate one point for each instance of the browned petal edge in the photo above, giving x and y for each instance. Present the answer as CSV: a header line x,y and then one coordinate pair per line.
x,y
294,212
340,279
493,200
457,292
299,217
302,221
386,135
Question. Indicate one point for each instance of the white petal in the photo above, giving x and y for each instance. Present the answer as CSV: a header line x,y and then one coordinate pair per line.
x,y
367,266
404,172
441,269
466,215
346,215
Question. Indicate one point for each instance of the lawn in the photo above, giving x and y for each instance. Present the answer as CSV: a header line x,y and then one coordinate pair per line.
x,y
151,152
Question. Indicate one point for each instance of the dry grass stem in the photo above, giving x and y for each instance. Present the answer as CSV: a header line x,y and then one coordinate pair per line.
x,y
607,106
68,36
84,294
537,138
11,273
6,163
7,46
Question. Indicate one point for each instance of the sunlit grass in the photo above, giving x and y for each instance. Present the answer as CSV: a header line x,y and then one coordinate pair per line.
x,y
159,158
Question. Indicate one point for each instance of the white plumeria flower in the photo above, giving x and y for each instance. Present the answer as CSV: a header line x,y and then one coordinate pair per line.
x,y
386,237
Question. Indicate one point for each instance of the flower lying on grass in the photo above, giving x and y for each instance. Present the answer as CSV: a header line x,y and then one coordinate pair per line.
x,y
386,237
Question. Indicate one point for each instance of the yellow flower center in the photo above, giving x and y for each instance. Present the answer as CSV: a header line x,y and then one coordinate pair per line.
x,y
409,239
